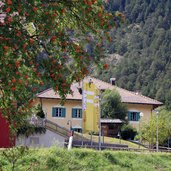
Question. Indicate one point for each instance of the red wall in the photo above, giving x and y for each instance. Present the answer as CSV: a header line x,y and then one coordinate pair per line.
x,y
4,133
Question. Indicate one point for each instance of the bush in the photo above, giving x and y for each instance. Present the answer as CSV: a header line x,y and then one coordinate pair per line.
x,y
112,105
40,112
128,132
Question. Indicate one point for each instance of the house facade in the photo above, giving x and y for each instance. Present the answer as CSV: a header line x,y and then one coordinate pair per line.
x,y
70,114
67,115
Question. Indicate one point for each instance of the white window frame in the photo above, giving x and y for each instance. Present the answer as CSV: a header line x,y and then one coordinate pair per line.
x,y
78,108
78,113
58,112
61,107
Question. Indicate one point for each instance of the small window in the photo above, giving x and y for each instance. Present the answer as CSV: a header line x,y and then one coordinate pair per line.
x,y
58,112
76,113
77,130
133,116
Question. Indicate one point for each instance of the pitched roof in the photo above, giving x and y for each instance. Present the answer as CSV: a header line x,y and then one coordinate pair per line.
x,y
51,94
126,96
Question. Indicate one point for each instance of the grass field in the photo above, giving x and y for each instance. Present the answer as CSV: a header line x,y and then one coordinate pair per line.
x,y
55,159
114,141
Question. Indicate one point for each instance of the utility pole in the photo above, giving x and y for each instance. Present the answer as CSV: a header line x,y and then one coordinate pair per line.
x,y
157,133
100,113
141,115
83,109
71,136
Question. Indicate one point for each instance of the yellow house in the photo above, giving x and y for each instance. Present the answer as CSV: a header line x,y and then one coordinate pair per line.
x,y
70,115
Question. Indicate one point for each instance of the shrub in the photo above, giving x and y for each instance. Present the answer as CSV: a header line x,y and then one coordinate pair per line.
x,y
128,132
40,112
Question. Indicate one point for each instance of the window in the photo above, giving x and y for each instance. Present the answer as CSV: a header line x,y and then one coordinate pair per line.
x,y
77,130
58,112
76,113
133,116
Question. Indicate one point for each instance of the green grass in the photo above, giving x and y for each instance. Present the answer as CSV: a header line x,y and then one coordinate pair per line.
x,y
114,141
55,159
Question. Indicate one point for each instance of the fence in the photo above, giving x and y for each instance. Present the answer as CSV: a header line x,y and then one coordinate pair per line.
x,y
82,142
115,147
63,131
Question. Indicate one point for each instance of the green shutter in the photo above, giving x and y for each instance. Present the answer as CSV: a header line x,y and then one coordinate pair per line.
x,y
81,112
74,113
137,116
129,116
63,112
53,112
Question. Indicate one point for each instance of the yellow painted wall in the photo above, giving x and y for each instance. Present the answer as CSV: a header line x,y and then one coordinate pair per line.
x,y
69,104
47,105
145,109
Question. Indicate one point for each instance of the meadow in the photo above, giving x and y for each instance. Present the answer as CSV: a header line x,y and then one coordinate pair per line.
x,y
58,159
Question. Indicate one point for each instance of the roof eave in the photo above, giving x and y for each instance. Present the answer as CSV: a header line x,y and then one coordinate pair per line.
x,y
153,104
58,98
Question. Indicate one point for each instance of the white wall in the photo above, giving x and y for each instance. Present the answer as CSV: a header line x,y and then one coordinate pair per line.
x,y
41,140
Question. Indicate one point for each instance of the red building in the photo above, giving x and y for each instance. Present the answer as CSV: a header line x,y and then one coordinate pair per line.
x,y
4,133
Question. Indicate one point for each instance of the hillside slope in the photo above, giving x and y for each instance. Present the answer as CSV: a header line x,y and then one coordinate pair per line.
x,y
144,41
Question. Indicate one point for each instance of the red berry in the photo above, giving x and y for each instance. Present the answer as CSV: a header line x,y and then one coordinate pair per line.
x,y
31,41
6,48
13,80
13,88
20,81
9,2
105,66
8,9
35,9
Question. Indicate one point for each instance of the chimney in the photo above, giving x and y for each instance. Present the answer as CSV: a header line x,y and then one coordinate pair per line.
x,y
138,92
112,81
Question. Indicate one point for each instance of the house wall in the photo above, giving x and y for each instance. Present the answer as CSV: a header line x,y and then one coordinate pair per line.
x,y
41,140
145,109
47,105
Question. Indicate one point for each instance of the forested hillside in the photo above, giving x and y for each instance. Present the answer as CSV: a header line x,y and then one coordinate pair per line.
x,y
144,44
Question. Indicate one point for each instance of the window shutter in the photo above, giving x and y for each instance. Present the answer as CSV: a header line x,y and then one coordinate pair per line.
x,y
63,112
129,116
53,112
74,113
81,112
137,116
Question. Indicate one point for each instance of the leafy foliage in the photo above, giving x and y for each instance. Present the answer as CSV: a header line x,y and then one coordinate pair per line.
x,y
29,129
128,132
40,113
148,130
43,43
111,105
12,155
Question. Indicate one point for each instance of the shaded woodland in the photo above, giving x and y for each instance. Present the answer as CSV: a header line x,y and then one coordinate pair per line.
x,y
143,44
